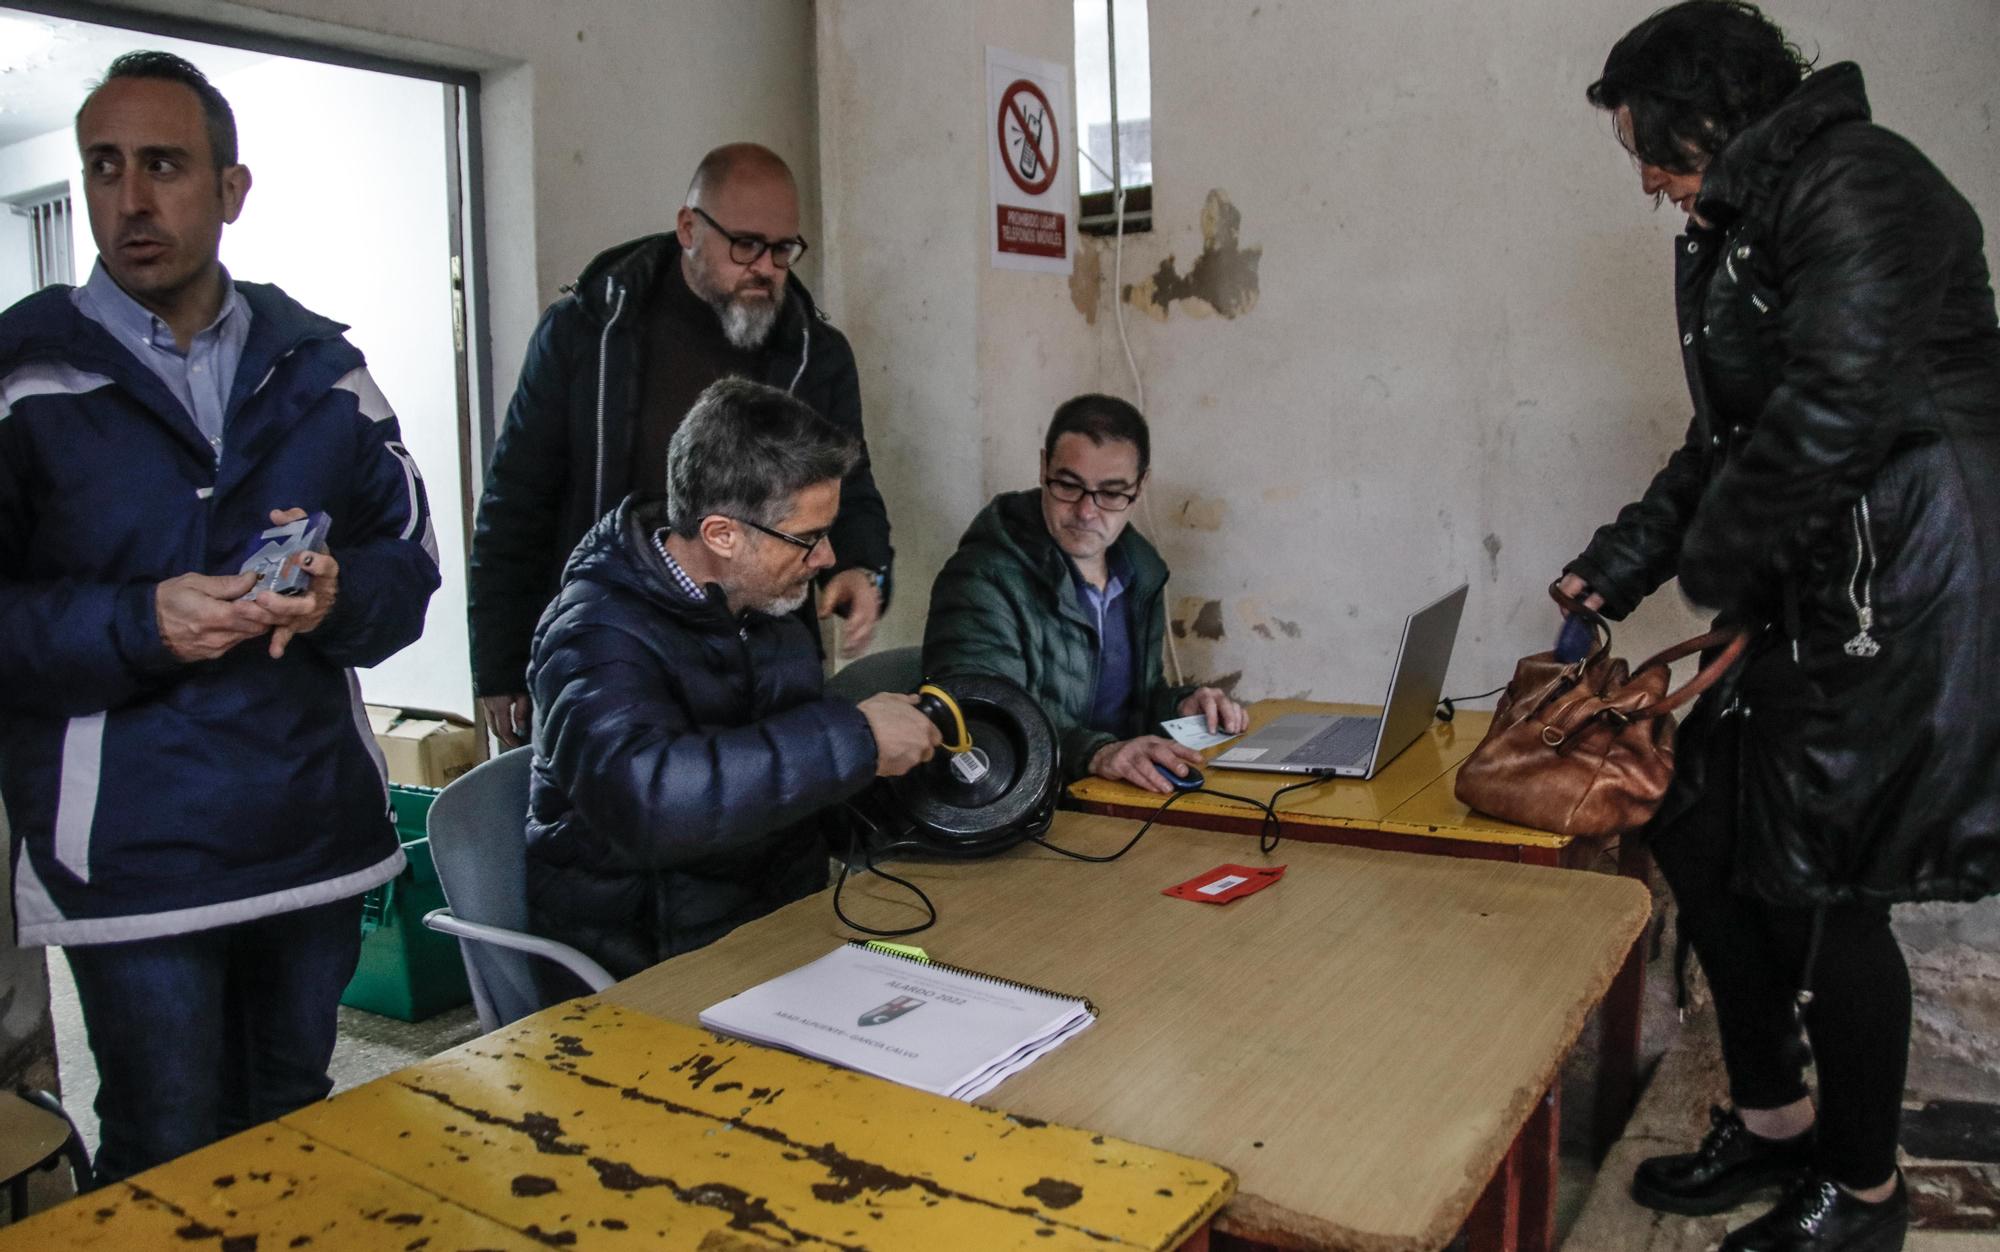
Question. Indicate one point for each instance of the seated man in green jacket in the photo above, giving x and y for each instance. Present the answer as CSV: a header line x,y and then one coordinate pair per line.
x,y
1053,589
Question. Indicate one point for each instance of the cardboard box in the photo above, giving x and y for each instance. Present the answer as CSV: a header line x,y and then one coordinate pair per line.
x,y
423,748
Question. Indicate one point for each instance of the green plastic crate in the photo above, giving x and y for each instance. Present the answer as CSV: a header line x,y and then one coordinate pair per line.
x,y
407,970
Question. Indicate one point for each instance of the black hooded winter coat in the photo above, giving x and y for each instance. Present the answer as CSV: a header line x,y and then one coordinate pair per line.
x,y
1836,491
564,455
681,753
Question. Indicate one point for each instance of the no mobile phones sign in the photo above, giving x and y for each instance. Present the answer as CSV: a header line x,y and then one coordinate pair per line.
x,y
1032,204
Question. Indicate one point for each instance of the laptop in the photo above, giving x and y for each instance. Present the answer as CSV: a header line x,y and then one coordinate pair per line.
x,y
1351,746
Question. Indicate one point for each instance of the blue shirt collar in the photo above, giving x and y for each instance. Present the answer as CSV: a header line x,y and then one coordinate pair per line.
x,y
134,323
1117,576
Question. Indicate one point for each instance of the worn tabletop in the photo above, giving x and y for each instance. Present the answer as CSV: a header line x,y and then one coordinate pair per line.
x,y
594,1126
1359,1043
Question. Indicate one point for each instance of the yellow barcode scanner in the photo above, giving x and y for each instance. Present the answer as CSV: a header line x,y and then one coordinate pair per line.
x,y
936,703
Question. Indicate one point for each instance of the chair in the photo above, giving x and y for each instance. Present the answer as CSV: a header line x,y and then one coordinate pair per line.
x,y
892,669
477,833
34,1134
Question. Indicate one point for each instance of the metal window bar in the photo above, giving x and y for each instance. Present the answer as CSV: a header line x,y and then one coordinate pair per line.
x,y
49,239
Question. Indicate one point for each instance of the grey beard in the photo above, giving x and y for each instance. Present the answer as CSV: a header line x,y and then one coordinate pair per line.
x,y
786,605
746,327
778,607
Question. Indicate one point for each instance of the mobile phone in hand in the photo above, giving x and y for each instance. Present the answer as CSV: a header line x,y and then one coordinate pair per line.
x,y
276,554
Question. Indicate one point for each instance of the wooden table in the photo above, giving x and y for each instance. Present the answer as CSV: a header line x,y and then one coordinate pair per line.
x,y
1409,806
590,1126
1367,1043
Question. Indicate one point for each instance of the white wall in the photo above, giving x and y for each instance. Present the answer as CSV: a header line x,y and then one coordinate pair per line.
x,y
1461,359
1457,357
34,165
17,270
960,364
595,113
347,212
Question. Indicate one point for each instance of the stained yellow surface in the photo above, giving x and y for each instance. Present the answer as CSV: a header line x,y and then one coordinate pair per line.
x,y
1411,796
268,1188
599,1120
593,1126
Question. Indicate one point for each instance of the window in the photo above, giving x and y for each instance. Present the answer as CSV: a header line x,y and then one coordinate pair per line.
x,y
1114,114
49,227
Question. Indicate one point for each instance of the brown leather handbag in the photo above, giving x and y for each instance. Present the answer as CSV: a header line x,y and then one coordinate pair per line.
x,y
1587,748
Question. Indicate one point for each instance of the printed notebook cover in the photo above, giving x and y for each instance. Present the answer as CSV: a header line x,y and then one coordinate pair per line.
x,y
934,1027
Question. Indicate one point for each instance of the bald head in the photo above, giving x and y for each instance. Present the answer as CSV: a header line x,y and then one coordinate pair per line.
x,y
737,163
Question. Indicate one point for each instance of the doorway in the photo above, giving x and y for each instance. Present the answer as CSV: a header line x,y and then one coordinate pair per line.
x,y
362,209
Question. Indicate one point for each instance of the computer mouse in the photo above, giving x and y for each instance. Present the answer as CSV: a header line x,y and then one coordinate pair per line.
x,y
1188,782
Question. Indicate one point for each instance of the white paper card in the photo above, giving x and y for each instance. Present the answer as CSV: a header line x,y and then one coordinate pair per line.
x,y
1193,732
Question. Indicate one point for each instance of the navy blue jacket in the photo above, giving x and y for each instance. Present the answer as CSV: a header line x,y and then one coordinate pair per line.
x,y
680,755
148,796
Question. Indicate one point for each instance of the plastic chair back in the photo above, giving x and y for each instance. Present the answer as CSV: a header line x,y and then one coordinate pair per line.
x,y
478,831
893,669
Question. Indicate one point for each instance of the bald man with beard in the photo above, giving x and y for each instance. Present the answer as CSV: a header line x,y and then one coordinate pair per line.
x,y
612,370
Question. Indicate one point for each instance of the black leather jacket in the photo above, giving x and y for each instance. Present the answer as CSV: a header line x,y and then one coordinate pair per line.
x,y
1836,491
563,457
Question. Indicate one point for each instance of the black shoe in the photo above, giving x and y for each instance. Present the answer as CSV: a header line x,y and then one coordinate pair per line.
x,y
1817,1216
1731,1165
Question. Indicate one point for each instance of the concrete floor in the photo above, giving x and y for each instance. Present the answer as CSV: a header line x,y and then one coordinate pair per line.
x,y
1955,1200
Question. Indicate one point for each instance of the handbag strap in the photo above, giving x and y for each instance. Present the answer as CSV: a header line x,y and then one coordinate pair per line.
x,y
1732,643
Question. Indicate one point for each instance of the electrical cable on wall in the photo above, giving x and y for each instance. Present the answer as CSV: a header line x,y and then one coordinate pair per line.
x,y
1176,674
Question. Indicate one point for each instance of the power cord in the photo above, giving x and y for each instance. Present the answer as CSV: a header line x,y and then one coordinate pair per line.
x,y
1268,838
1267,832
1448,706
856,846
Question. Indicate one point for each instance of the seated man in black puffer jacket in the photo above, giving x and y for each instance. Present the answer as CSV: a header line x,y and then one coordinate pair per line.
x,y
682,742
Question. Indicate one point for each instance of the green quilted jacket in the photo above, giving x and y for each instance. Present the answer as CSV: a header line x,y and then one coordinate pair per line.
x,y
1005,604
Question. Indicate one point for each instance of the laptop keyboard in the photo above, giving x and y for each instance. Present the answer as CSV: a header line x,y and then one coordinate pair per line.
x,y
1346,741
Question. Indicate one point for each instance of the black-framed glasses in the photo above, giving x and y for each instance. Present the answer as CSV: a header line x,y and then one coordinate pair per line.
x,y
1069,491
805,542
745,249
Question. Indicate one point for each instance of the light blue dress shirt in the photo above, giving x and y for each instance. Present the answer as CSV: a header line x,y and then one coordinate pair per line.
x,y
199,378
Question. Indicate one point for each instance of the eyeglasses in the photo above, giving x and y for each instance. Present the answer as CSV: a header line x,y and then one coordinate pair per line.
x,y
745,249
1069,491
806,542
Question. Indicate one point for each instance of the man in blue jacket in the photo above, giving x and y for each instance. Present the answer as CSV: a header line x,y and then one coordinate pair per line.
x,y
197,805
683,745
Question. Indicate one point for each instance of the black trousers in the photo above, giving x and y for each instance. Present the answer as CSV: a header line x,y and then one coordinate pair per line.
x,y
1754,953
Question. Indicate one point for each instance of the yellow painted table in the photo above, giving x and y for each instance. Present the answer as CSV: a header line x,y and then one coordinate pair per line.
x,y
1368,1043
1408,807
592,1126
1374,812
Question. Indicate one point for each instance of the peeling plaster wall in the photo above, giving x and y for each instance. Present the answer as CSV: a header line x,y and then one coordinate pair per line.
x,y
960,364
595,113
1458,356
1404,319
1455,354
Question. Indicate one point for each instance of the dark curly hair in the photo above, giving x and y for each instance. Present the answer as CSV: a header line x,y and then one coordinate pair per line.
x,y
1694,76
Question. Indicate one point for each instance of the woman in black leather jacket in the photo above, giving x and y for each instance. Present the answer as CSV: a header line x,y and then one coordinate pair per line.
x,y
1838,335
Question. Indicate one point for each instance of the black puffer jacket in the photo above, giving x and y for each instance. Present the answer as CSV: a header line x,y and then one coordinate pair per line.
x,y
680,753
1836,491
564,454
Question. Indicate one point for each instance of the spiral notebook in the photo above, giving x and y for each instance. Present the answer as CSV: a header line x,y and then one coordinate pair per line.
x,y
935,1027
